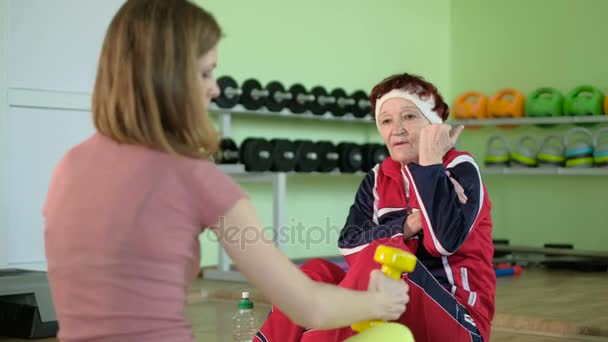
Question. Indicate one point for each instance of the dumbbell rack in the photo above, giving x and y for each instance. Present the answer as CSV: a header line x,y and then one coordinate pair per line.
x,y
240,110
278,179
279,191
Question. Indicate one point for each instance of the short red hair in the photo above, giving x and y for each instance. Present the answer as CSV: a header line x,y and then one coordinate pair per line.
x,y
414,84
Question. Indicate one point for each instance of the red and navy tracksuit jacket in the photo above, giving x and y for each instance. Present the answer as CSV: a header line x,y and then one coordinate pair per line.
x,y
455,245
452,288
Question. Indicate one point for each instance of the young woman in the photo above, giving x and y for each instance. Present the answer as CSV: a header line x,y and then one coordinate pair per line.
x,y
125,207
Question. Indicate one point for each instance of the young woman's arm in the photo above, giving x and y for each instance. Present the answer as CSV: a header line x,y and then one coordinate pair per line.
x,y
308,303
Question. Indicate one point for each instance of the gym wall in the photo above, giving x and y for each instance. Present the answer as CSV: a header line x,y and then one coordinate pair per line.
x,y
525,45
341,43
48,58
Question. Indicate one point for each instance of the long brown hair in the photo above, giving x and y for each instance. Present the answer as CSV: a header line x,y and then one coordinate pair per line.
x,y
147,90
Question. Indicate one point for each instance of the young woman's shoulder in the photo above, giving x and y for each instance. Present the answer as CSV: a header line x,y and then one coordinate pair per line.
x,y
210,186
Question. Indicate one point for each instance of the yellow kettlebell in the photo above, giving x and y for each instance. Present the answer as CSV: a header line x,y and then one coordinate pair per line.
x,y
394,263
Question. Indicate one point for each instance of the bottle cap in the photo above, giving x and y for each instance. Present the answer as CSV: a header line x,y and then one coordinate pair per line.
x,y
245,303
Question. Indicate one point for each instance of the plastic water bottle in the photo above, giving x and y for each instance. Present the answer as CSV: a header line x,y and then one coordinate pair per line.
x,y
244,326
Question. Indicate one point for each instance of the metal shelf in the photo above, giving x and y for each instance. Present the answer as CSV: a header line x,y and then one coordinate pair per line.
x,y
279,194
237,171
533,120
277,179
596,254
556,171
240,110
279,218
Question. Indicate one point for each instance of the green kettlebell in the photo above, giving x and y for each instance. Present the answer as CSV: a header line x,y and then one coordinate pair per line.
x,y
600,147
525,151
551,152
497,152
545,101
578,142
584,100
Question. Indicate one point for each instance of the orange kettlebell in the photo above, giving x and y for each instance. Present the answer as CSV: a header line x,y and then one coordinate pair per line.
x,y
507,103
606,104
471,105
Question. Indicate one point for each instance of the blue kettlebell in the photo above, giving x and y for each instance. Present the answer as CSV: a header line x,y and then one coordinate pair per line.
x,y
600,147
579,147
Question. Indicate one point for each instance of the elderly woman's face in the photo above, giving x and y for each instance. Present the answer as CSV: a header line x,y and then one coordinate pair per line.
x,y
399,123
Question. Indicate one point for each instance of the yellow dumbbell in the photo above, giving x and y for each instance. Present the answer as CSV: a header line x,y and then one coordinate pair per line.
x,y
394,262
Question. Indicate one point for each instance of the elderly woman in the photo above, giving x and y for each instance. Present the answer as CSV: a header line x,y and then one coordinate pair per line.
x,y
428,199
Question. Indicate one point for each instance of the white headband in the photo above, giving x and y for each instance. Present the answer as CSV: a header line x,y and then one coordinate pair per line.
x,y
425,106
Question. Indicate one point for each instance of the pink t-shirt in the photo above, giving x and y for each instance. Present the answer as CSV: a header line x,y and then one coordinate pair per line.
x,y
121,239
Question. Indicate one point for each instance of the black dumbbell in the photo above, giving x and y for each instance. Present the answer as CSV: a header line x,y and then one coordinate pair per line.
x,y
300,99
256,154
307,156
373,154
283,155
227,153
351,157
329,157
230,92
322,101
362,106
278,97
343,104
253,96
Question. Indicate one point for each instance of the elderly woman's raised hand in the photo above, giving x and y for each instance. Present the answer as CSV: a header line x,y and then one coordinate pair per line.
x,y
435,141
